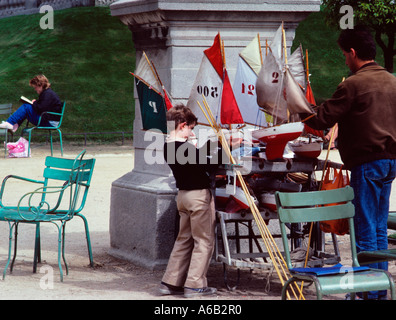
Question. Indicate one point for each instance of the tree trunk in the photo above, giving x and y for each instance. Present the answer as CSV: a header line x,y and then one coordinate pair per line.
x,y
388,50
388,56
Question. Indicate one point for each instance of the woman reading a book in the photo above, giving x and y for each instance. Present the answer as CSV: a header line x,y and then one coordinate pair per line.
x,y
48,100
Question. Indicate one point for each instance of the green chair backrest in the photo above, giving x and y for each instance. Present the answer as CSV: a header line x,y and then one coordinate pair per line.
x,y
59,169
6,109
5,112
312,206
61,114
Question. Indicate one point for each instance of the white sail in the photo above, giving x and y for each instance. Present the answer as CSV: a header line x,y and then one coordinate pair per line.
x,y
252,55
209,84
146,72
294,96
276,44
297,67
269,89
245,94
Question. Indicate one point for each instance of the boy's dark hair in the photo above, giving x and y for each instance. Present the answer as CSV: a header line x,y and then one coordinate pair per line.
x,y
361,40
179,114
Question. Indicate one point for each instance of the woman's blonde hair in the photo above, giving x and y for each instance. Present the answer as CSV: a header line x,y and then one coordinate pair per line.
x,y
40,81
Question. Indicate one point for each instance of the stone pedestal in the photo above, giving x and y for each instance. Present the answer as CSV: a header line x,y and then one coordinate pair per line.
x,y
174,33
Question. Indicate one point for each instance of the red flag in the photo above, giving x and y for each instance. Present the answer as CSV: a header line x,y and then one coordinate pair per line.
x,y
168,102
309,94
229,108
215,57
311,99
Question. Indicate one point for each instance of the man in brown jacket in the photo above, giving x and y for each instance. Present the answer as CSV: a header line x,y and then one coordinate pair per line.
x,y
364,106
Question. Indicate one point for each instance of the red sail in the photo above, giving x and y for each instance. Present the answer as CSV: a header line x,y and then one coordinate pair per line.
x,y
229,108
311,99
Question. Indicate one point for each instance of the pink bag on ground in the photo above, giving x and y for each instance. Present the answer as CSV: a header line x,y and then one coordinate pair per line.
x,y
18,149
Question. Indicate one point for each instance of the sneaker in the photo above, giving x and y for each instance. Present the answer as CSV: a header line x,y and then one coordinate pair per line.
x,y
168,289
348,296
15,127
6,125
192,292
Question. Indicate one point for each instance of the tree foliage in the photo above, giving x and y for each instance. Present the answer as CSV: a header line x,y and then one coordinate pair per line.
x,y
380,15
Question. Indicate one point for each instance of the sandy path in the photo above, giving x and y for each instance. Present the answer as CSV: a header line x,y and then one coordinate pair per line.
x,y
111,278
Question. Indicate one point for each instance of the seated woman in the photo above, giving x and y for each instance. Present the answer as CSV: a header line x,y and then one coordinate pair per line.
x,y
48,100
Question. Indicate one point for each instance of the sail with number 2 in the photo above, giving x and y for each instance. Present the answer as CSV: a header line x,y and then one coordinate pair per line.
x,y
280,95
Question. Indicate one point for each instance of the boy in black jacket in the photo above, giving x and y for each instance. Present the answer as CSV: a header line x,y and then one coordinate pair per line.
x,y
193,249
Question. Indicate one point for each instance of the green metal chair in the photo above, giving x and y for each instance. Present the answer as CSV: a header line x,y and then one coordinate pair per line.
x,y
6,111
311,207
56,199
30,130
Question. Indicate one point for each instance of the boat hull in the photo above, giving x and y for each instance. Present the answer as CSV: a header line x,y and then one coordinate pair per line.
x,y
306,150
277,137
267,199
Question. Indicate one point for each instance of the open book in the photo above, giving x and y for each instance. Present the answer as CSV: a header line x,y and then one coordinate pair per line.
x,y
26,100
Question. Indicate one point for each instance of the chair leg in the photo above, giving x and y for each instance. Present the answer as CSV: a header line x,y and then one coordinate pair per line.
x,y
37,249
52,150
29,150
63,248
392,290
11,227
5,144
60,140
284,288
15,247
59,252
88,238
391,285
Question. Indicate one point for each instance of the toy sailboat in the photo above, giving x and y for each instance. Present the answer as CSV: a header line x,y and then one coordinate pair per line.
x,y
306,147
280,95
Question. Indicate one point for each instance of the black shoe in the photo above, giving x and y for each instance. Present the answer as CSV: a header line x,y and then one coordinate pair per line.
x,y
192,292
168,289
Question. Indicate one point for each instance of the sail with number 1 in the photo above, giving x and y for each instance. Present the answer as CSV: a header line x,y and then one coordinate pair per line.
x,y
249,65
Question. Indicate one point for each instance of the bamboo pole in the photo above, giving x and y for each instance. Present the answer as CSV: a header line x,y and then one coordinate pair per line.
x,y
284,43
152,70
259,44
307,68
146,83
266,47
309,117
273,250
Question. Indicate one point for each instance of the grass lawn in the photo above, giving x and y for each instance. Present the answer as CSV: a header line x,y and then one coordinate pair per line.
x,y
87,58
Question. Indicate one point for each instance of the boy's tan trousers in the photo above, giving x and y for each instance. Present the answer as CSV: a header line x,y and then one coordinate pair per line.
x,y
193,249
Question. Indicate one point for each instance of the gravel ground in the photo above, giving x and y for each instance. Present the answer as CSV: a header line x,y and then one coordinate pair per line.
x,y
111,278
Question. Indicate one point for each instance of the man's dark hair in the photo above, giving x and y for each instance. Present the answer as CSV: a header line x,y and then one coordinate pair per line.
x,y
361,40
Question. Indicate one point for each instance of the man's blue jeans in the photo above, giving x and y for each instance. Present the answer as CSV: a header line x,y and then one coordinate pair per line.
x,y
372,184
26,111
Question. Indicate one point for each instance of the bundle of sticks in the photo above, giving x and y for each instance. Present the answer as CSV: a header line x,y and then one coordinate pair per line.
x,y
275,255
